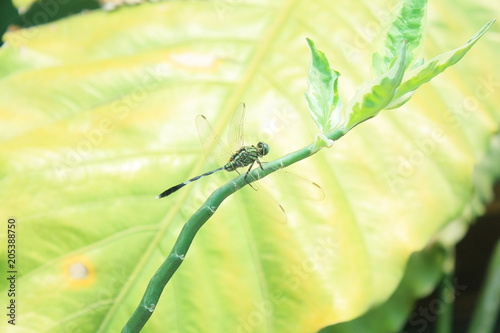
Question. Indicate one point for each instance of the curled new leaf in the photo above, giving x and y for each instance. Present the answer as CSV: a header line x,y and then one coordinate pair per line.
x,y
322,94
405,23
426,72
375,95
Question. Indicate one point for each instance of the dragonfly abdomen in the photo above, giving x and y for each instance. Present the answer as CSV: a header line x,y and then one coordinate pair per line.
x,y
245,156
181,185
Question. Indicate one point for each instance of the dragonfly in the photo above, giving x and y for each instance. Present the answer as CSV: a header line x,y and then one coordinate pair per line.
x,y
243,157
240,156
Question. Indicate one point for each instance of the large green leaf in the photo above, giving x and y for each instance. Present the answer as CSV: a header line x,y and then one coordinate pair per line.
x,y
423,272
98,118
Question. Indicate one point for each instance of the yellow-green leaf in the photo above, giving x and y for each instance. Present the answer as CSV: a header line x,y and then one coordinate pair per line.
x,y
97,117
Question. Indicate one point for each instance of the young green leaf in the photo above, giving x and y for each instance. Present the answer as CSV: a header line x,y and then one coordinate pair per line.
x,y
405,23
375,95
426,72
322,92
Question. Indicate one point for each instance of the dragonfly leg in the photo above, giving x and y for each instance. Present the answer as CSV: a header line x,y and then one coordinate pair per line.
x,y
246,175
249,169
246,178
260,164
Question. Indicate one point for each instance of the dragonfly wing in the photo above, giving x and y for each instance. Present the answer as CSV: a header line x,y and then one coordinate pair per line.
x,y
312,190
216,152
296,186
235,135
304,187
267,206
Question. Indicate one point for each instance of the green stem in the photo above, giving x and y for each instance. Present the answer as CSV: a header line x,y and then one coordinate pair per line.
x,y
486,312
446,296
160,279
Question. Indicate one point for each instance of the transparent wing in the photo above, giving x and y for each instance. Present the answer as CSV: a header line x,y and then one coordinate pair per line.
x,y
216,152
267,206
305,188
235,135
297,186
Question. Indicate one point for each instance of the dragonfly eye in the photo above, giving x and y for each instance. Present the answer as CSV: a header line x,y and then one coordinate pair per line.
x,y
263,148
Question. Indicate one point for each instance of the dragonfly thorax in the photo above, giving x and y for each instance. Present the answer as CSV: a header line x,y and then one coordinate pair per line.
x,y
246,156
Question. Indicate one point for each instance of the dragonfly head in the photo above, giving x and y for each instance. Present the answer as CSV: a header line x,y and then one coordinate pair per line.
x,y
263,148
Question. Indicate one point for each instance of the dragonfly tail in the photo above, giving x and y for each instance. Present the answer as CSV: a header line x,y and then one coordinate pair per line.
x,y
181,185
170,190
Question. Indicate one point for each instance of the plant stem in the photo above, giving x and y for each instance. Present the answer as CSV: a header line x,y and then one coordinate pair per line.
x,y
167,269
486,311
446,297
